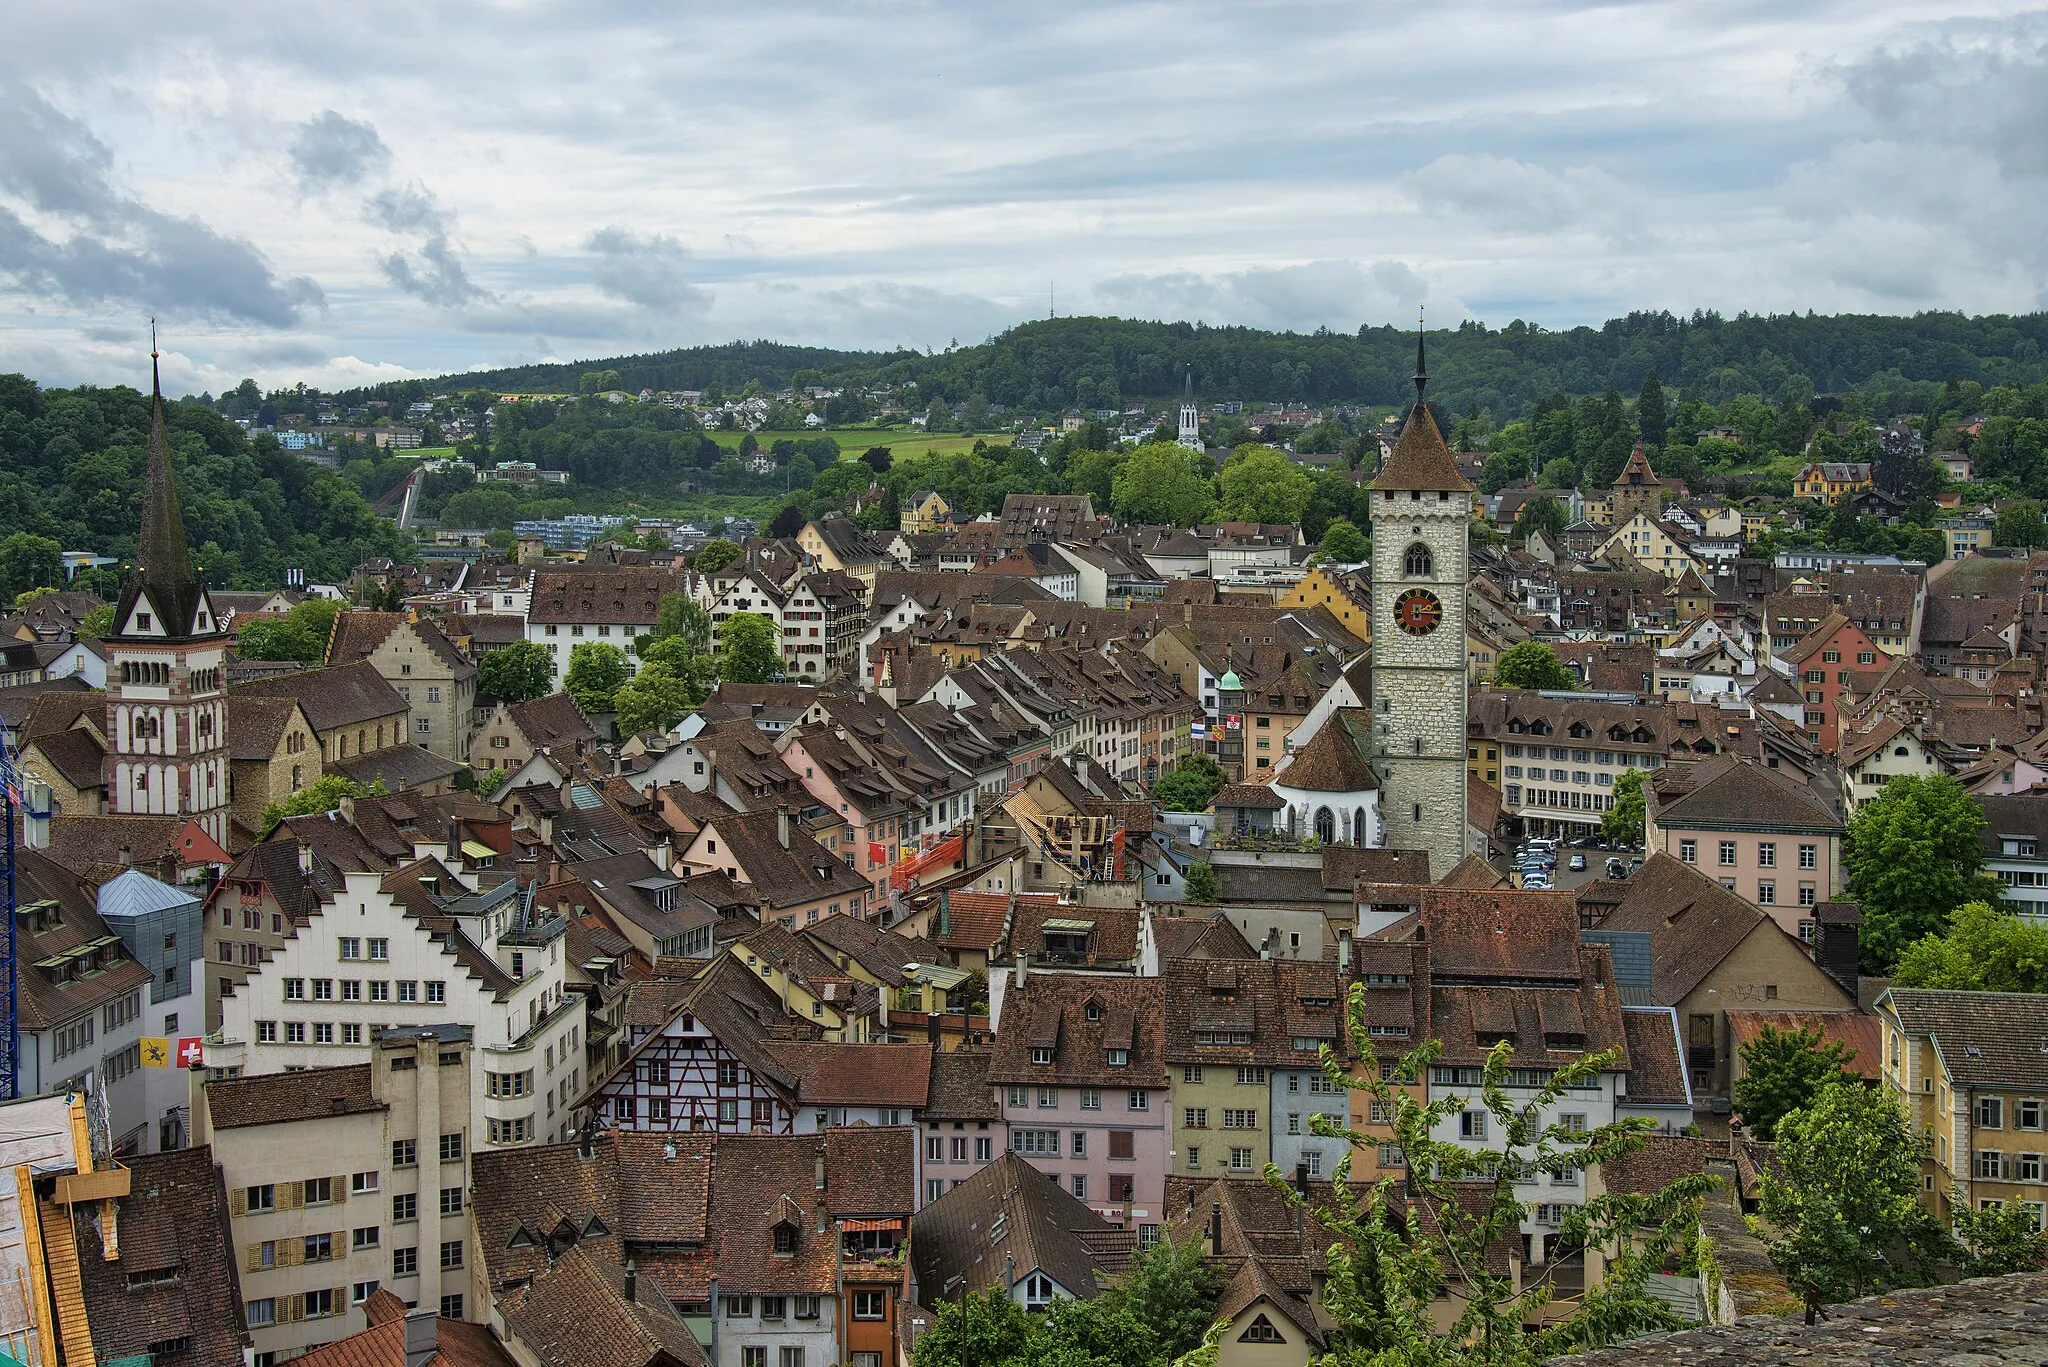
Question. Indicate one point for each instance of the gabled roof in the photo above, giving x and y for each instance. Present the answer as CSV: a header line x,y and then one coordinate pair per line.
x,y
1338,759
1009,1218
281,1098
1693,922
332,698
1986,1039
553,722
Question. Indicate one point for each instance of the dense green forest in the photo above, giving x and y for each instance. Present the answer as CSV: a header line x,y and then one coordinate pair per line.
x,y
71,465
1891,363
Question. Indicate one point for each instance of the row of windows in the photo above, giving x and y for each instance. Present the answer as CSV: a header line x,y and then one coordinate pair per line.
x,y
1046,1143
1091,1098
1991,1111
353,990
938,1149
1766,853
1240,1160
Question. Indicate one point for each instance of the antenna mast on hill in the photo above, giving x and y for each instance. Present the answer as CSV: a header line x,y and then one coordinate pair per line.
x,y
1048,301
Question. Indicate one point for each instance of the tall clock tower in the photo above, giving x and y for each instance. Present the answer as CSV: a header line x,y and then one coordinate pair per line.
x,y
1421,525
167,708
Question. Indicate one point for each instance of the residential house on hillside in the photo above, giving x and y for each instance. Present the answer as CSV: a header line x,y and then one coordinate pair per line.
x,y
796,880
1762,833
570,607
516,732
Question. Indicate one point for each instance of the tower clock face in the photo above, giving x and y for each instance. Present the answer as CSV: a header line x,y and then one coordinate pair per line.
x,y
1418,612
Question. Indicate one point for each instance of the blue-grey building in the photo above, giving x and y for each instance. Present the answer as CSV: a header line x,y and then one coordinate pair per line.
x,y
163,929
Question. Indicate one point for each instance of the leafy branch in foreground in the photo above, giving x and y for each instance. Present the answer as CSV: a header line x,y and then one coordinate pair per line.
x,y
1450,1226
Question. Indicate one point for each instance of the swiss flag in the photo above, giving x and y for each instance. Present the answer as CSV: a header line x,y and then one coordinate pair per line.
x,y
191,1054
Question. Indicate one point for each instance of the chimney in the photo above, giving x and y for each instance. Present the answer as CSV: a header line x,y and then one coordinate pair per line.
x,y
454,841
1835,947
632,1281
306,860
945,912
1216,1229
36,813
1023,966
1301,1178
1343,951
127,857
782,826
421,1336
818,1168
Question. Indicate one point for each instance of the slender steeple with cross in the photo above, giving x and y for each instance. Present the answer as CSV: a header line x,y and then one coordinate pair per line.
x,y
166,663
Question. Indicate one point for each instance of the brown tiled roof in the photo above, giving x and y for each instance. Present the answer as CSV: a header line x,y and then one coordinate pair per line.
x,y
344,695
457,1342
1860,1033
553,722
976,920
256,726
1985,1039
1277,1003
1469,1019
1338,759
43,1000
1732,791
1504,931
879,951
175,1216
75,755
1346,866
577,1315
1656,1070
783,876
276,1098
1662,1160
1113,939
1475,873
858,1074
1693,923
1050,1010
1247,795
1214,937
1420,459
620,597
1253,1283
760,1180
960,1088
1008,1217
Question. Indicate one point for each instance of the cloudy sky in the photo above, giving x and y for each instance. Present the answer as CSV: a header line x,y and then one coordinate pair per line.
x,y
337,193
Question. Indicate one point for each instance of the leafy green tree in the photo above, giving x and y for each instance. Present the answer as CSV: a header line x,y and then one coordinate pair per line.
x,y
597,669
1986,949
1093,473
982,1329
98,624
1201,883
749,650
321,795
716,554
1403,1250
29,561
1171,1287
490,780
1532,664
1623,825
1651,422
1261,485
1559,474
1163,484
517,673
655,699
278,638
1344,544
1840,1215
1913,854
1784,1071
681,615
1998,1240
1543,513
2020,524
1191,786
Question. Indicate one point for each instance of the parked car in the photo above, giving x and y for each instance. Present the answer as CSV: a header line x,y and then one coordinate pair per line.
x,y
1615,869
1578,864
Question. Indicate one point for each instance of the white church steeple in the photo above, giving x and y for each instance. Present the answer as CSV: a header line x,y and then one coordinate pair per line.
x,y
1190,421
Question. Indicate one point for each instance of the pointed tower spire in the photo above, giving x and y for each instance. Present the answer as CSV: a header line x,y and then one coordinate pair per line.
x,y
163,560
1187,395
1421,364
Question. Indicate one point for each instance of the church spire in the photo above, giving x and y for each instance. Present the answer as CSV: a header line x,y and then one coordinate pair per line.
x,y
162,557
1187,395
1421,365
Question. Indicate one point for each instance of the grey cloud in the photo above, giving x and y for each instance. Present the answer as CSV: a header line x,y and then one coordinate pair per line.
x,y
406,209
433,273
120,250
1316,294
332,149
1986,89
882,313
647,271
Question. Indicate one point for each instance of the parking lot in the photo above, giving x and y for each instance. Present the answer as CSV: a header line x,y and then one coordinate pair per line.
x,y
1564,876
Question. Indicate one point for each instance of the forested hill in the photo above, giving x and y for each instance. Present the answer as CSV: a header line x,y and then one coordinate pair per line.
x,y
1059,363
730,366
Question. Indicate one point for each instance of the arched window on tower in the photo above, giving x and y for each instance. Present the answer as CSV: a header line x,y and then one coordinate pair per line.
x,y
1418,561
1326,826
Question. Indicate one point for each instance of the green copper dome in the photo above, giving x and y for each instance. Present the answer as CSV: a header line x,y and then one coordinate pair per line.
x,y
1230,680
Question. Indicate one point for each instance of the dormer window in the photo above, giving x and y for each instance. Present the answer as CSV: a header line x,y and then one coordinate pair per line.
x,y
785,1240
142,621
1093,1011
1041,1057
1119,1058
